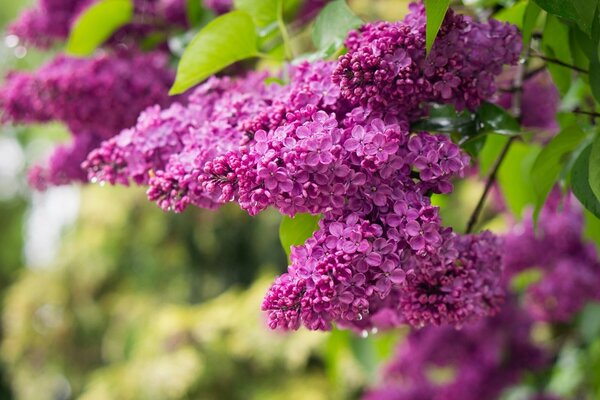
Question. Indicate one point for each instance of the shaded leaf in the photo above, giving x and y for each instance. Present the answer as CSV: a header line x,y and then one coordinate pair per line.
x,y
580,183
594,168
227,39
493,118
96,24
332,25
263,12
529,20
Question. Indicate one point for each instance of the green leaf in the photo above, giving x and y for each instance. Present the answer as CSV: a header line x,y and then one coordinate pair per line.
x,y
514,177
585,10
561,8
263,12
520,282
332,25
595,79
550,162
594,168
589,322
556,45
529,21
194,11
495,119
445,119
514,14
96,24
295,231
436,11
224,41
580,183
592,228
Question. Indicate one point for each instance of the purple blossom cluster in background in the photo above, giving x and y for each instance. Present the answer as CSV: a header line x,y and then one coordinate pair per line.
x,y
475,363
335,140
50,21
568,265
539,103
94,97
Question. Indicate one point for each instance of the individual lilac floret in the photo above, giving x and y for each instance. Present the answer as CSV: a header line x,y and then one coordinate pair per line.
x,y
569,266
386,65
480,360
104,93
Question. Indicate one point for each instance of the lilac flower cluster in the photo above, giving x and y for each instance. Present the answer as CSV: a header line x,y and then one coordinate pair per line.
x,y
381,256
477,362
539,103
569,266
95,98
64,164
386,66
50,21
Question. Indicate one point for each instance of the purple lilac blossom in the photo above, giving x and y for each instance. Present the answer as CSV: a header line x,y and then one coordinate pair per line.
x,y
540,101
381,256
481,360
104,93
50,21
386,66
95,98
569,266
64,164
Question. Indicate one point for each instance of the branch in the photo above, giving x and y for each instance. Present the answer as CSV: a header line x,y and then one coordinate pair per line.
x,y
561,63
488,185
584,112
516,111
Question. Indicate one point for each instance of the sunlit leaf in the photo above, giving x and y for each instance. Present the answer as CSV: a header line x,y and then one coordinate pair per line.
x,y
294,231
96,24
227,39
436,11
332,26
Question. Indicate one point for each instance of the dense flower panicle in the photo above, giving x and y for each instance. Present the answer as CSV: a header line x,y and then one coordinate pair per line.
x,y
386,65
569,266
359,277
381,256
64,164
50,21
480,360
95,98
104,93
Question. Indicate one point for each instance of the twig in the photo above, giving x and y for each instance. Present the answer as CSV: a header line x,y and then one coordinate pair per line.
x,y
530,74
584,112
516,111
561,63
